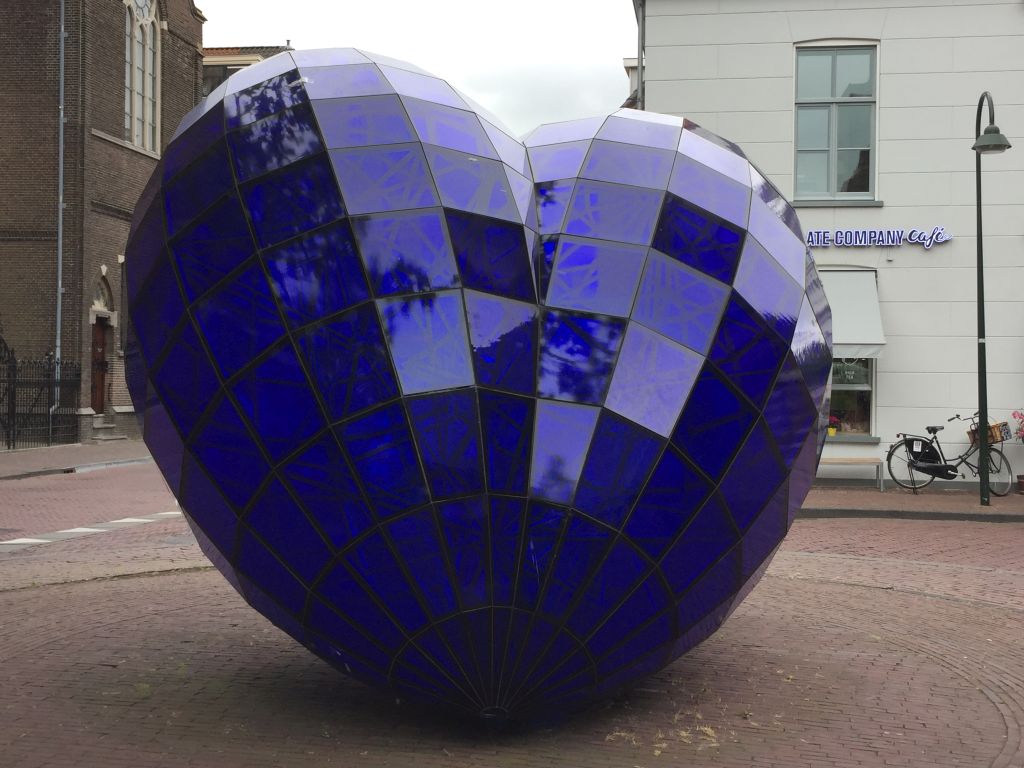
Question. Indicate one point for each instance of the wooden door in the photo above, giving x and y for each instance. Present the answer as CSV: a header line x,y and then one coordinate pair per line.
x,y
99,367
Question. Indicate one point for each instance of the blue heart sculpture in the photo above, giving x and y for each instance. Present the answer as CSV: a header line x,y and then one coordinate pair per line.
x,y
500,427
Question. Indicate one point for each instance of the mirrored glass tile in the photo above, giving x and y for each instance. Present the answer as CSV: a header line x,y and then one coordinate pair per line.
x,y
349,362
754,476
506,422
473,184
543,527
388,178
711,190
417,541
503,335
317,275
509,149
375,563
557,133
614,212
274,142
552,202
707,604
790,414
197,187
491,254
277,519
672,495
346,81
422,86
522,193
157,309
213,247
448,127
706,539
548,655
186,147
715,156
322,479
816,297
229,455
219,522
249,100
293,200
764,535
647,633
652,378
772,233
340,589
812,354
628,164
262,394
322,57
595,276
275,580
396,63
768,289
562,439
446,428
619,573
464,525
363,122
406,252
632,128
239,320
679,302
505,525
702,241
746,351
344,634
776,203
164,442
544,262
428,341
617,466
186,380
384,456
216,97
577,355
558,161
715,421
580,553
147,236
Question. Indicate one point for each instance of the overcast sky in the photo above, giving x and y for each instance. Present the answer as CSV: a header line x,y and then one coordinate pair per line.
x,y
528,61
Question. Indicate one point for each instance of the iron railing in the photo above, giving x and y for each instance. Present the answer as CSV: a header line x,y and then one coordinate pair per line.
x,y
38,401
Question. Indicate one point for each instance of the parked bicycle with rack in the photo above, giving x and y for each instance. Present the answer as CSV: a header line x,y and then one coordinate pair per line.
x,y
914,461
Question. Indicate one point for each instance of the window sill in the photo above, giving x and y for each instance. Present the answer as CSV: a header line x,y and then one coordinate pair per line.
x,y
840,437
837,203
122,143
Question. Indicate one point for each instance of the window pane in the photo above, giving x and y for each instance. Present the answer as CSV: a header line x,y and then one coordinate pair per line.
x,y
814,74
849,372
853,73
812,128
854,126
811,174
851,412
854,171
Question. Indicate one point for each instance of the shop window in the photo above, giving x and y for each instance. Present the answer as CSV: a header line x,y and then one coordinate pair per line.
x,y
851,396
141,76
835,123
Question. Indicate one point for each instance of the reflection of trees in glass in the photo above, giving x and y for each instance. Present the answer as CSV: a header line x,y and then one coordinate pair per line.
x,y
554,484
858,180
578,355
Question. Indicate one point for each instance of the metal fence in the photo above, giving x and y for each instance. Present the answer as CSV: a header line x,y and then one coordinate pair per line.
x,y
38,401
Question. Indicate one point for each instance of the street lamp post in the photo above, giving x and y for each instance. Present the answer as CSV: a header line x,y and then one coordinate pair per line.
x,y
990,142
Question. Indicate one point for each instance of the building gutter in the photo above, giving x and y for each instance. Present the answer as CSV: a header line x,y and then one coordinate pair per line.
x,y
60,187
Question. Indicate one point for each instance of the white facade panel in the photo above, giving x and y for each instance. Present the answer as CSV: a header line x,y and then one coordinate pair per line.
x,y
934,59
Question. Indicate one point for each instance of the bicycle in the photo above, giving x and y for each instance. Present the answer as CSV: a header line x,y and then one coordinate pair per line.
x,y
914,461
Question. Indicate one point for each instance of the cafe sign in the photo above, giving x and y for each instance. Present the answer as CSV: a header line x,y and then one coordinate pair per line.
x,y
882,238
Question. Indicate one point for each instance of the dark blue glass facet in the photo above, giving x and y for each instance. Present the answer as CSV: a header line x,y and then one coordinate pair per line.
x,y
406,252
501,426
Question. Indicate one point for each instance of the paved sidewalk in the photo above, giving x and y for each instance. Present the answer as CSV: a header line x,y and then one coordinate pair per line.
x,y
59,459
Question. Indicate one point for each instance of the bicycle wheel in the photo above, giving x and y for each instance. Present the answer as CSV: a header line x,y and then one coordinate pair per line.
x,y
898,463
1000,476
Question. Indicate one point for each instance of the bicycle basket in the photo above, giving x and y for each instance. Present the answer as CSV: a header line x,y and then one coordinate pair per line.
x,y
997,433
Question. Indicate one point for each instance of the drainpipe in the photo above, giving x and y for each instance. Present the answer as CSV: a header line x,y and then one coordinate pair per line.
x,y
641,24
60,185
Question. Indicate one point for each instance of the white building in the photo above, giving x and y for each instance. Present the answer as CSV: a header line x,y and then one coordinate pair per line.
x,y
863,114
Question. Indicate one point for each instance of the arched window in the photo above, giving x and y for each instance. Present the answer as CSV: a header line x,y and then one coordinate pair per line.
x,y
141,76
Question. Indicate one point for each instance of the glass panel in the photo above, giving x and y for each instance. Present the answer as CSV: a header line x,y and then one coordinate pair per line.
x,y
186,381
854,172
449,127
419,547
854,126
274,142
406,252
563,439
471,183
614,212
507,425
711,190
578,356
464,524
768,288
226,451
814,74
811,174
790,413
362,122
571,130
628,164
558,161
747,352
293,200
652,378
423,87
446,429
428,341
349,80
389,178
552,200
503,334
276,518
595,276
264,99
200,185
698,240
492,255
753,477
851,411
212,247
812,129
853,73
643,132
319,57
851,372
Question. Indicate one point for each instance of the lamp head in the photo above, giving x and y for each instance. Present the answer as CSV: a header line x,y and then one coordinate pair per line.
x,y
991,141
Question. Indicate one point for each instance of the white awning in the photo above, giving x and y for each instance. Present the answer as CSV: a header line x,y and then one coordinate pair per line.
x,y
856,321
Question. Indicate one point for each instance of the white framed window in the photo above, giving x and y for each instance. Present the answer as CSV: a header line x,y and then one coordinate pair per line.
x,y
141,74
852,392
836,99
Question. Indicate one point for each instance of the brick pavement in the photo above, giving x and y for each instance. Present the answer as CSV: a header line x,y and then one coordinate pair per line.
x,y
869,642
58,458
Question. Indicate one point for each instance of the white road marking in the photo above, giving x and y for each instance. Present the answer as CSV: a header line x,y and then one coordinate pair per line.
x,y
25,541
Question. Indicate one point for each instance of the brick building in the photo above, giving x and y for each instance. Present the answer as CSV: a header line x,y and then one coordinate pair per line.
x,y
132,69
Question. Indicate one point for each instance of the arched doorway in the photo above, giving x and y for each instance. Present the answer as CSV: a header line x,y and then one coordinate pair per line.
x,y
100,313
